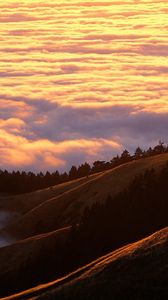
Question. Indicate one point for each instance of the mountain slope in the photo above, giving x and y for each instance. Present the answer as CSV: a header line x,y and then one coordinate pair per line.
x,y
59,252
136,271
12,208
62,210
22,261
17,254
20,204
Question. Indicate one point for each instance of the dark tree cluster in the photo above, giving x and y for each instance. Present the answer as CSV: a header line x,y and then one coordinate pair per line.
x,y
23,182
133,214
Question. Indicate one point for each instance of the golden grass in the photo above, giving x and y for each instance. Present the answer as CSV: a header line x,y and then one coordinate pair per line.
x,y
67,205
101,270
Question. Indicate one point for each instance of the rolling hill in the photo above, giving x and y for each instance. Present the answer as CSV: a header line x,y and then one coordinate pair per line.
x,y
12,208
135,271
27,248
44,228
61,206
20,204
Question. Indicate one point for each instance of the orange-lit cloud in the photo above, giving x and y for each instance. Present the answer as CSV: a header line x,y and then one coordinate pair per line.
x,y
75,73
19,152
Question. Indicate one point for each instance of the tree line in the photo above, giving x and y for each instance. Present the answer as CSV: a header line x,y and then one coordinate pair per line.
x,y
17,182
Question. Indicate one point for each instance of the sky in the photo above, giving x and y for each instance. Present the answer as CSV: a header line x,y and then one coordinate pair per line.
x,y
81,80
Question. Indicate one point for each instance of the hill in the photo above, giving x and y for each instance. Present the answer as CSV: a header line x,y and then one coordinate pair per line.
x,y
20,204
13,208
135,271
22,260
68,201
135,212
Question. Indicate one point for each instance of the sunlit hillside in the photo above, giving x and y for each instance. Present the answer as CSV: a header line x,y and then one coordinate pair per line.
x,y
62,206
128,271
137,271
83,150
51,235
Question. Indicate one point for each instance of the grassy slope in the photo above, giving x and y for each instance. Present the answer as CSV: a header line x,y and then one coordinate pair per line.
x,y
16,255
136,271
16,206
21,204
63,209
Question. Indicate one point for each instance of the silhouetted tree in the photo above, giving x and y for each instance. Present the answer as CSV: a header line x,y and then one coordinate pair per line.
x,y
138,153
98,166
83,170
160,148
21,182
125,156
115,161
73,173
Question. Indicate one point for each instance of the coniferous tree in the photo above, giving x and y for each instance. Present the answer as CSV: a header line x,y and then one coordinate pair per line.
x,y
160,148
73,173
138,153
125,156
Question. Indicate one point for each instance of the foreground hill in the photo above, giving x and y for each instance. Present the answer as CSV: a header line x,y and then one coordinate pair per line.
x,y
64,208
136,271
27,258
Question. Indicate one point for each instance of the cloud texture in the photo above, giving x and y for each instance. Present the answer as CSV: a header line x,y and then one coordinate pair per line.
x,y
81,80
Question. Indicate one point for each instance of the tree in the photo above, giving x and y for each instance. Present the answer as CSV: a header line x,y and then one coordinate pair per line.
x,y
84,170
98,166
149,152
115,161
56,177
64,177
73,173
138,153
160,148
125,156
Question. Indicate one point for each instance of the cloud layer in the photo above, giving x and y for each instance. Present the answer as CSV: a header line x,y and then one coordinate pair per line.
x,y
80,80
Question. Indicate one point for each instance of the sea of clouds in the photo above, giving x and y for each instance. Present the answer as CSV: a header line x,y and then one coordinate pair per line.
x,y
81,80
